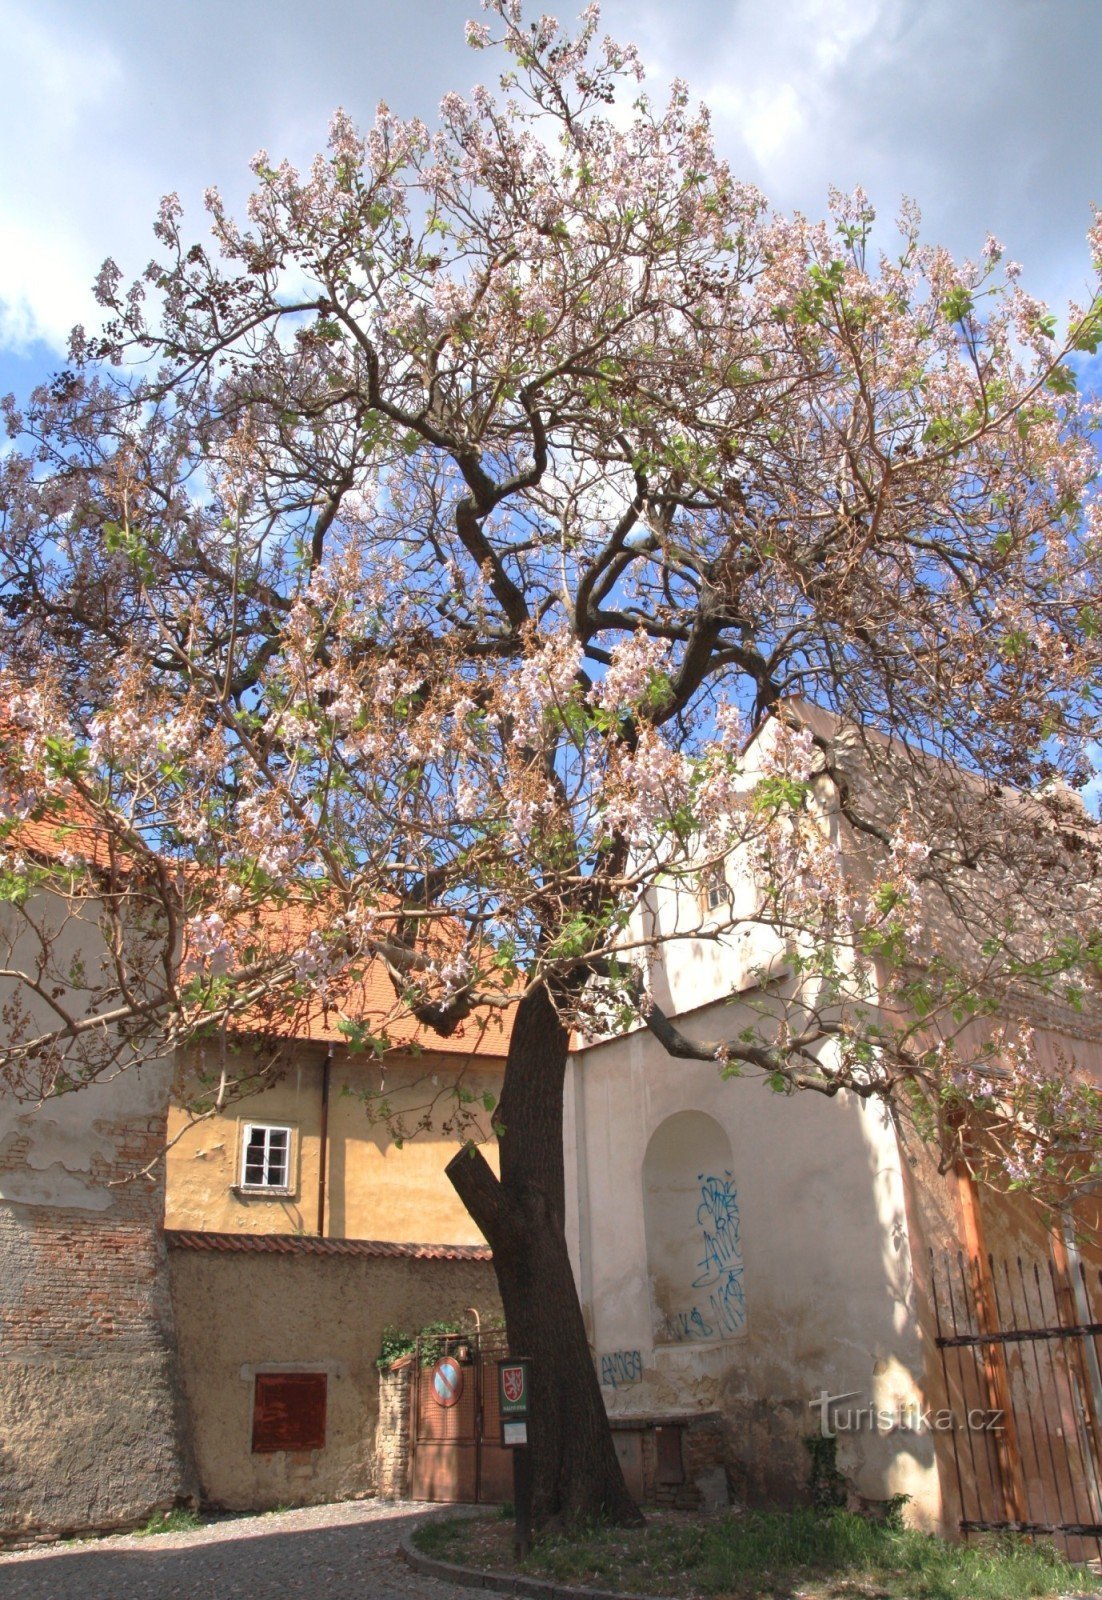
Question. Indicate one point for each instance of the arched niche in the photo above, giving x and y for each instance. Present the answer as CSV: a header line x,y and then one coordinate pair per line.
x,y
694,1233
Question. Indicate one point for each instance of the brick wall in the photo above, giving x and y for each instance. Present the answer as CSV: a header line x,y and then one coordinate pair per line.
x,y
91,1434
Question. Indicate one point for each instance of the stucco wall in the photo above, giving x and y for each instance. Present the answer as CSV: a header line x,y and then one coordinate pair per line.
x,y
238,1313
374,1188
823,1263
90,1422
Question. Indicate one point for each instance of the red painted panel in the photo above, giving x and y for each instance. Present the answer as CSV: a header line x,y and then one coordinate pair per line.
x,y
289,1411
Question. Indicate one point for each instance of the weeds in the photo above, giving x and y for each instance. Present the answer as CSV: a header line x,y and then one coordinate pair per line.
x,y
180,1520
824,1553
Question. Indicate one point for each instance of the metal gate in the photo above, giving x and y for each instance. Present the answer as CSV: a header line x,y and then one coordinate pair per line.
x,y
1020,1345
456,1452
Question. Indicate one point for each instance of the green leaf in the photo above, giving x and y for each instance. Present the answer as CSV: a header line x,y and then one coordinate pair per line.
x,y
1088,334
957,304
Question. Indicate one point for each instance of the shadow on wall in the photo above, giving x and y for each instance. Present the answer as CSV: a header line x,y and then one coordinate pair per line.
x,y
778,1259
693,1232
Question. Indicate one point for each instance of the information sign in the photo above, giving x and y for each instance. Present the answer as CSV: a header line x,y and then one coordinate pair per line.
x,y
512,1382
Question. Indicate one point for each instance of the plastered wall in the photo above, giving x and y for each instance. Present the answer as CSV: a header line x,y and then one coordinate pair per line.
x,y
822,1262
91,1432
238,1314
375,1189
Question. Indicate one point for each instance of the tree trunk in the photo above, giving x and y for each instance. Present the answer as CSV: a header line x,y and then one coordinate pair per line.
x,y
576,1475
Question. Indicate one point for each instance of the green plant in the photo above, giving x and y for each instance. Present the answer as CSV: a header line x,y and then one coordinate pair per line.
x,y
828,1486
441,1539
822,1554
433,1340
893,1509
181,1519
395,1344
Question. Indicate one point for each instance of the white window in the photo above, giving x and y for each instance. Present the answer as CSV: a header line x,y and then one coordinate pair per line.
x,y
266,1157
715,891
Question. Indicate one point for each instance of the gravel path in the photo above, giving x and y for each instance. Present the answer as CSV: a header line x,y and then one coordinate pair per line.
x,y
337,1552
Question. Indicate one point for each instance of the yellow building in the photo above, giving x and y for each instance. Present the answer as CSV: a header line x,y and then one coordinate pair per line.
x,y
307,1217
336,1144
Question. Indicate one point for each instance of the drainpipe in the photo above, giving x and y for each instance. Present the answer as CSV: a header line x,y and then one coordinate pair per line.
x,y
323,1152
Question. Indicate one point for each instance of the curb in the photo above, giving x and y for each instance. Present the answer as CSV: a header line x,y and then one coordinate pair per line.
x,y
505,1582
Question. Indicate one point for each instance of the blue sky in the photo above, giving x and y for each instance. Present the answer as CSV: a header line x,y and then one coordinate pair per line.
x,y
984,111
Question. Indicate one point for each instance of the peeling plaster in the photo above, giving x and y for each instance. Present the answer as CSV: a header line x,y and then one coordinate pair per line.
x,y
53,1185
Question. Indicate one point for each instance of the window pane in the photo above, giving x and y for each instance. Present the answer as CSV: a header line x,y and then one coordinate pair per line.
x,y
267,1153
277,1158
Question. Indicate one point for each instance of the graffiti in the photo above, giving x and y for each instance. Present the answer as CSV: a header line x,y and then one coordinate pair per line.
x,y
621,1366
681,1326
720,1265
720,1310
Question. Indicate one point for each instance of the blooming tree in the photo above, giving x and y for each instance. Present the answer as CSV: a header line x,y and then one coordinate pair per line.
x,y
514,518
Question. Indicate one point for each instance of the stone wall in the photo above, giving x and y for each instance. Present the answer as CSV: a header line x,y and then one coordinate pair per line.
x,y
91,1431
248,1305
392,1446
793,1273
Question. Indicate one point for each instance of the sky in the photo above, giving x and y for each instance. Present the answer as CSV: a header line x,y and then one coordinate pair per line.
x,y
984,111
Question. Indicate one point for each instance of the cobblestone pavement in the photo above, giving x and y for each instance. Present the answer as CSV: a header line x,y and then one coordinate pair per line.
x,y
337,1552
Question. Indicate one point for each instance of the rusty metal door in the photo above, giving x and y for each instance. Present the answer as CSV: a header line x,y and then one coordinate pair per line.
x,y
1020,1345
455,1440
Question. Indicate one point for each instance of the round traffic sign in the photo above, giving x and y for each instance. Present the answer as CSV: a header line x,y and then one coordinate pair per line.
x,y
447,1381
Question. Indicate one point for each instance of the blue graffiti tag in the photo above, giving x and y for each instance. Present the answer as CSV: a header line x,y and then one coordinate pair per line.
x,y
683,1325
621,1366
721,1262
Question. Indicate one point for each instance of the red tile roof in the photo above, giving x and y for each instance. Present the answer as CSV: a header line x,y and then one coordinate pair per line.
x,y
369,998
297,1244
284,928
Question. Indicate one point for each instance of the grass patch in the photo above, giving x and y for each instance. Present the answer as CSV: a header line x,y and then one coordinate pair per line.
x,y
179,1520
443,1541
768,1555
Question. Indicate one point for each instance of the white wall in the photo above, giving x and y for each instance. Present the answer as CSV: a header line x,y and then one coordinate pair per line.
x,y
825,1265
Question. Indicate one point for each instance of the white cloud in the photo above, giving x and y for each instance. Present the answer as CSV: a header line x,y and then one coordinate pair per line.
x,y
770,120
983,110
43,284
55,88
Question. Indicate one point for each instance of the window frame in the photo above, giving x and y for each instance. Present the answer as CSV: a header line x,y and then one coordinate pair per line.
x,y
716,892
243,1185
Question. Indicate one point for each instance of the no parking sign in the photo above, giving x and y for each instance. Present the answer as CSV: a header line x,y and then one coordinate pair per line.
x,y
447,1382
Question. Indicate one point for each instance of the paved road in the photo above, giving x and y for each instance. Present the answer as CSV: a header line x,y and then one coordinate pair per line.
x,y
340,1552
